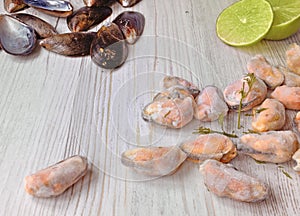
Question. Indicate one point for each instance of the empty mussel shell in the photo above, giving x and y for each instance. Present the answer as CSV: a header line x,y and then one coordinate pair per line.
x,y
109,49
12,6
69,44
91,3
41,27
16,38
87,17
132,25
128,3
59,8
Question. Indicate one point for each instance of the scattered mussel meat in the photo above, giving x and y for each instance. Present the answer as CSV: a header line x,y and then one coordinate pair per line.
x,y
291,79
58,8
154,161
210,146
225,180
16,38
87,17
109,49
12,6
293,58
69,44
297,121
210,104
288,96
41,27
296,158
131,24
271,146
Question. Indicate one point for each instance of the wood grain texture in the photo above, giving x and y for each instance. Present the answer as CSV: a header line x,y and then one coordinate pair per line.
x,y
52,107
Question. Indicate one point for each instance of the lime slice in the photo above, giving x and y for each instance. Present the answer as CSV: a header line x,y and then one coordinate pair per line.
x,y
286,19
245,22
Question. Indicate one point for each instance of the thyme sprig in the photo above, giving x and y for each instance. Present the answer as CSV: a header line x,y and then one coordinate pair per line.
x,y
204,130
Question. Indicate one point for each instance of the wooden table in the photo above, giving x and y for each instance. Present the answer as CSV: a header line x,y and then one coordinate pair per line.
x,y
52,107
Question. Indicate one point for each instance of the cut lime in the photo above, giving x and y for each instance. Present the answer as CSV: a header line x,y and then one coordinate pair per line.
x,y
286,19
245,22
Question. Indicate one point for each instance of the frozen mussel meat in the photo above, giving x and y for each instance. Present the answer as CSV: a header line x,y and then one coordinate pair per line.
x,y
296,158
297,120
210,146
154,161
97,3
271,146
293,58
288,96
291,79
224,180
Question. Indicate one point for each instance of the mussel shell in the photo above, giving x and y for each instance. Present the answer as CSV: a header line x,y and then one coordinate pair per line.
x,y
12,6
109,49
132,25
97,3
16,38
128,3
87,17
59,8
69,44
41,27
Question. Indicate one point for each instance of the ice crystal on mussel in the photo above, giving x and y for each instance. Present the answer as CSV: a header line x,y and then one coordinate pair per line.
x,y
59,8
69,44
87,17
131,24
225,180
16,37
12,6
154,161
172,108
109,49
41,27
128,3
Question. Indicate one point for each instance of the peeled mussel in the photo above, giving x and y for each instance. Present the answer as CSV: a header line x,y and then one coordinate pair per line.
x,y
172,108
293,58
12,6
69,44
154,161
16,38
210,104
262,69
232,93
291,79
288,96
128,3
109,49
210,146
225,180
131,24
271,146
42,28
87,17
170,81
296,158
59,8
270,115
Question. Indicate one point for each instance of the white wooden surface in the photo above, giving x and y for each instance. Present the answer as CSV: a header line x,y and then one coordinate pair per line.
x,y
52,107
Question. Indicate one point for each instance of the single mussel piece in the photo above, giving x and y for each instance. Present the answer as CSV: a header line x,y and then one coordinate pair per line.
x,y
87,17
41,27
271,146
297,121
170,81
296,158
154,161
210,104
293,58
97,3
210,146
173,108
12,6
257,94
16,38
109,49
291,79
225,180
128,3
262,69
288,96
131,24
58,8
270,115
69,44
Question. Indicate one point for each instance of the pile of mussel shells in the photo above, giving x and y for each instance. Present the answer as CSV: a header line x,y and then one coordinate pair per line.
x,y
108,47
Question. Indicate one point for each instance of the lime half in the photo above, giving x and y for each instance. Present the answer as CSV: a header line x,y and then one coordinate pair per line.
x,y
245,22
286,19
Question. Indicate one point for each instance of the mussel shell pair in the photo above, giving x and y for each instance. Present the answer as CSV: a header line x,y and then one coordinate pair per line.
x,y
16,38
